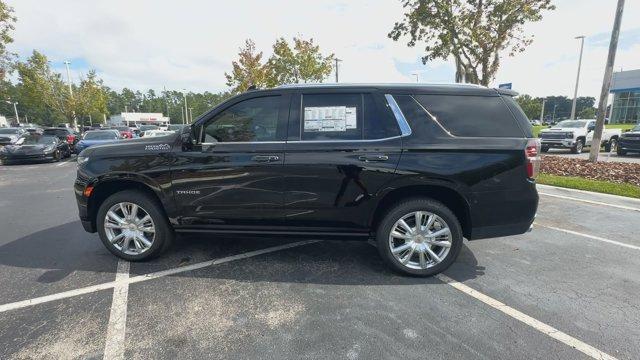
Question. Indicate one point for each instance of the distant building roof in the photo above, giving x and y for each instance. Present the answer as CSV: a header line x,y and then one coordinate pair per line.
x,y
625,81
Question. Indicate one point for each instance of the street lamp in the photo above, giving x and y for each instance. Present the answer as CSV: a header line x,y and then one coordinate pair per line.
x,y
186,109
337,61
417,77
15,108
575,91
66,63
554,112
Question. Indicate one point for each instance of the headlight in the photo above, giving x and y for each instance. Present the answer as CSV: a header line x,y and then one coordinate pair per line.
x,y
82,159
49,148
569,135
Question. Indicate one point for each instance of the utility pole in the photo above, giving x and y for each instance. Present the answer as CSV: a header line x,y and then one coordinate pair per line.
x,y
542,111
75,121
186,109
606,84
190,114
337,61
575,91
417,77
554,112
15,109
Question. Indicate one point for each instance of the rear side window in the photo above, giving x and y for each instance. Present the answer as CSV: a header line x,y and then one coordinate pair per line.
x,y
522,118
331,117
379,121
472,116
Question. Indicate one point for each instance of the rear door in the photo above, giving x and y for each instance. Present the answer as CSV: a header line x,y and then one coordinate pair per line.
x,y
233,178
342,147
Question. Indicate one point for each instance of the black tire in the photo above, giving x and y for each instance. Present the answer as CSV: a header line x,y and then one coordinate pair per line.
x,y
621,152
406,207
164,234
56,156
577,148
544,149
610,144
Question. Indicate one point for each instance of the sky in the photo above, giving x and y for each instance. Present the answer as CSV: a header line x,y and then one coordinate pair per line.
x,y
190,44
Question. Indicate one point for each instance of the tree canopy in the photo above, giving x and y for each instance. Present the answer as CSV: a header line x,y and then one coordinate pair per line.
x,y
472,32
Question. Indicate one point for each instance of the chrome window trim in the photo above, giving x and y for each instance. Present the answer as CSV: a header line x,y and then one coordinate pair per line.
x,y
242,142
405,129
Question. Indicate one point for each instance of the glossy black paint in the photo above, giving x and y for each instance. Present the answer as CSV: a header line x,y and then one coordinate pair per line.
x,y
337,188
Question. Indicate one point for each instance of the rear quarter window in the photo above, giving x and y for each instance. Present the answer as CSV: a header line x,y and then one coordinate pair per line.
x,y
472,116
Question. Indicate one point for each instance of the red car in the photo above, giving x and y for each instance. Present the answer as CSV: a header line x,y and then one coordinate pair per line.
x,y
125,131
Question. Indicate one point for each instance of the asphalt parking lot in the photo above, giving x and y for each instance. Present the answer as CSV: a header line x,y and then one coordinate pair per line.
x,y
567,290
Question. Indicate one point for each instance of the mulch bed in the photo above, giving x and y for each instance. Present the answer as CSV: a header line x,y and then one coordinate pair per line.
x,y
608,171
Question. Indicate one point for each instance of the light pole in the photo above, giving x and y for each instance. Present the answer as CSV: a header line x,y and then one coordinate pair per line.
x,y
417,77
186,109
66,63
554,112
337,61
15,109
542,111
575,91
190,114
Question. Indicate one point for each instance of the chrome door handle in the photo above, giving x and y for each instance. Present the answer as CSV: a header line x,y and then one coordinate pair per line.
x,y
368,158
265,158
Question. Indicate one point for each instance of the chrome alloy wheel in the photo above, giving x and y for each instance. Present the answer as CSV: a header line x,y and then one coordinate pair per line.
x,y
420,240
129,228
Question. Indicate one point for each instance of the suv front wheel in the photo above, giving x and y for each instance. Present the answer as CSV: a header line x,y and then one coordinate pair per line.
x,y
132,226
419,237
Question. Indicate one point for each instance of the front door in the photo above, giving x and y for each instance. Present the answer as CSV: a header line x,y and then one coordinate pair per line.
x,y
232,178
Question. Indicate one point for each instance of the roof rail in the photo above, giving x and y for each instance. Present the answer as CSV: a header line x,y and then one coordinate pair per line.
x,y
507,92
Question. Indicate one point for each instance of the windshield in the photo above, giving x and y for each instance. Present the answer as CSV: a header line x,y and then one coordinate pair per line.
x,y
122,128
8,131
636,128
175,127
34,140
100,135
147,127
57,132
573,124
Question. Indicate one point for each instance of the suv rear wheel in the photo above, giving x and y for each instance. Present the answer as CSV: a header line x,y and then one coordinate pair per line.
x,y
132,226
419,237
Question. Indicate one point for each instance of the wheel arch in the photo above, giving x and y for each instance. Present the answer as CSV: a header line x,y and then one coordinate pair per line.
x,y
107,187
448,196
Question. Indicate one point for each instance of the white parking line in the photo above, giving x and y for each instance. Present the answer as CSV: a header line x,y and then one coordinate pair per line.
x,y
63,163
593,237
590,201
146,277
114,345
528,320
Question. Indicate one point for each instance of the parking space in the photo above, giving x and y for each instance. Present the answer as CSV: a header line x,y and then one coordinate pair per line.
x,y
561,291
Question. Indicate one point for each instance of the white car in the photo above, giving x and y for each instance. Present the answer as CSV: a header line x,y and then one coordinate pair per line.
x,y
152,133
575,135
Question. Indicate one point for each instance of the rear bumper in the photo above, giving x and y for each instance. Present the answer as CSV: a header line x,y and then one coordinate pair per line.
x,y
83,206
503,213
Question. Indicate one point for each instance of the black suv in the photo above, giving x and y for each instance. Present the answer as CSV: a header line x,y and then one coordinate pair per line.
x,y
416,168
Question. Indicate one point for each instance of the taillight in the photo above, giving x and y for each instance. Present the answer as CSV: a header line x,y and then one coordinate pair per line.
x,y
70,138
532,153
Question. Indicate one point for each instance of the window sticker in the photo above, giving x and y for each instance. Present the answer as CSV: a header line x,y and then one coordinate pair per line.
x,y
329,118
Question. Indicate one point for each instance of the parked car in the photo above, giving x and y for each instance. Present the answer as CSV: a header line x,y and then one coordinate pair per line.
x,y
10,135
97,137
536,122
629,141
32,128
176,127
152,133
415,167
35,147
143,128
125,131
575,135
64,134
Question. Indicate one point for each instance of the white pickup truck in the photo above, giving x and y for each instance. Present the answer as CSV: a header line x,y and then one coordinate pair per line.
x,y
575,135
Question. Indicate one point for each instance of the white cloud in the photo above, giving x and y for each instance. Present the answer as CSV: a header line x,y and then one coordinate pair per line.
x,y
190,44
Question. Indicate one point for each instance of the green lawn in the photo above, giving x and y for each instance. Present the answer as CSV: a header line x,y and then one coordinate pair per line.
x,y
536,129
574,182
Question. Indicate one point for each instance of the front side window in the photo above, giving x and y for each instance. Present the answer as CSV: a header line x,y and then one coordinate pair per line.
x,y
248,121
331,117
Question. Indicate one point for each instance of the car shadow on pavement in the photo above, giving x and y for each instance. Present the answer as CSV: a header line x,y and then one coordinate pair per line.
x,y
64,249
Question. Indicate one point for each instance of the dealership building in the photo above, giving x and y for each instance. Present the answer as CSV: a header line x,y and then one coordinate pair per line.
x,y
625,87
136,118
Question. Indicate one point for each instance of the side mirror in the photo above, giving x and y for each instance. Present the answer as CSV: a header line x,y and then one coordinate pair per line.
x,y
189,137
